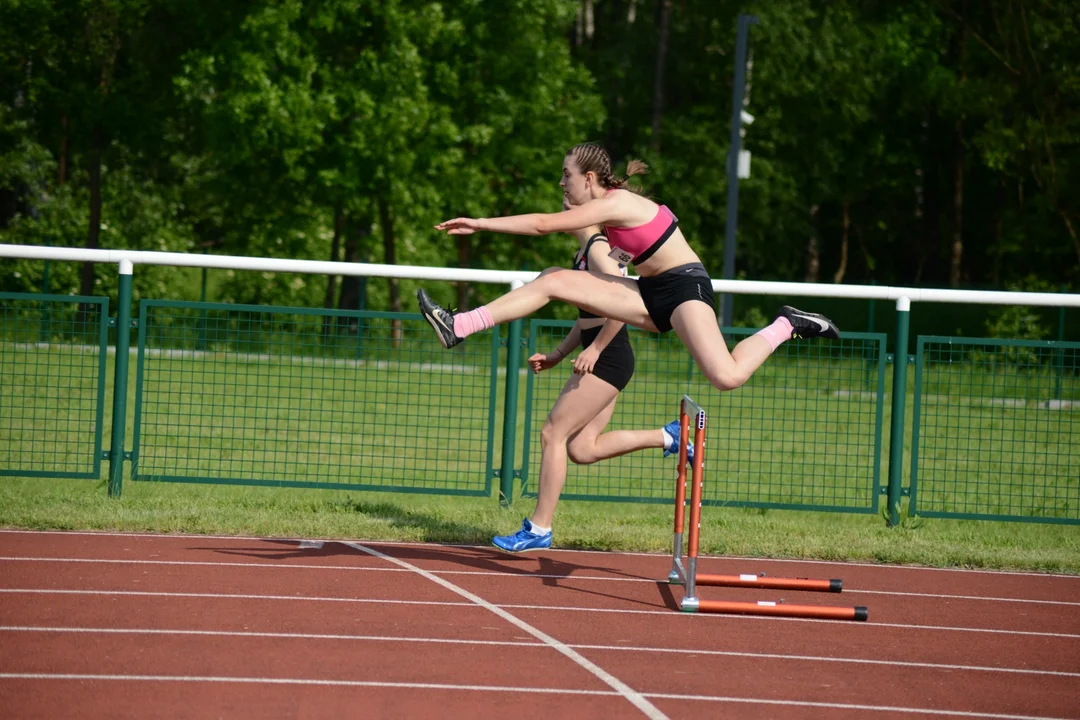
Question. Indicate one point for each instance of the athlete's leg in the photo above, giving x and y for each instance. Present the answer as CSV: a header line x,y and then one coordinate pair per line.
x,y
695,324
592,444
582,399
601,294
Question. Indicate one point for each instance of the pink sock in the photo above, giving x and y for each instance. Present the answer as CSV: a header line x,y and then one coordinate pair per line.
x,y
776,333
473,321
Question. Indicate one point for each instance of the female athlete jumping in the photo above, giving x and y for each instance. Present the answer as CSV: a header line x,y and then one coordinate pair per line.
x,y
673,292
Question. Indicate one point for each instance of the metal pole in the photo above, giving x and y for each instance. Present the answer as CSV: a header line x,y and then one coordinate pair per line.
x,y
120,382
735,144
899,390
509,439
1060,359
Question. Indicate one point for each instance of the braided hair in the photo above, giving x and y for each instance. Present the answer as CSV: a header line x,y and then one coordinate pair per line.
x,y
591,157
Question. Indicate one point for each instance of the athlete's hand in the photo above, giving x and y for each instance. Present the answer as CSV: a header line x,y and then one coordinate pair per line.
x,y
586,361
540,361
460,226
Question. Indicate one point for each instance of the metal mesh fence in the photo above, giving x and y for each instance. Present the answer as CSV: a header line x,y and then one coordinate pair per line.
x,y
804,432
52,384
311,398
997,429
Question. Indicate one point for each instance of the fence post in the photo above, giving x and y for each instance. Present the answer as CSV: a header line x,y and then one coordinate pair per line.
x,y
1059,365
899,390
509,439
120,381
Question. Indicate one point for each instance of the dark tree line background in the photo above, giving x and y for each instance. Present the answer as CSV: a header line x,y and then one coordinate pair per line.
x,y
930,142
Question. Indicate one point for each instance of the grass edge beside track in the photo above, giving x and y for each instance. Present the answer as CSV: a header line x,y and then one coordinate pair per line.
x,y
52,504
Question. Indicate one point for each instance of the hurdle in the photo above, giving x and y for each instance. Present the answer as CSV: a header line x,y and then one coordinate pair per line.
x,y
686,574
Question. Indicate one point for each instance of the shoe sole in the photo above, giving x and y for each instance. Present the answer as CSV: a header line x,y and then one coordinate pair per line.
x,y
518,552
830,333
430,317
438,330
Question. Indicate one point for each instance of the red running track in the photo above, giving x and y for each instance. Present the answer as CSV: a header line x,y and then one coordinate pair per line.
x,y
110,625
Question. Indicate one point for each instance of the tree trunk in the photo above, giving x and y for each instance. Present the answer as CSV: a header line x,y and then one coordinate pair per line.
x,y
355,232
838,277
928,241
999,230
464,254
658,77
386,221
958,208
1072,232
813,252
331,280
62,161
93,233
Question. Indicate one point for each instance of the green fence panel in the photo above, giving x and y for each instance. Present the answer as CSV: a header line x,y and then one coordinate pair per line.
x,y
52,384
804,432
300,397
997,430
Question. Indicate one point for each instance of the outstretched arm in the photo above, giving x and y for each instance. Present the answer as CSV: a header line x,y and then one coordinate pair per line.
x,y
605,210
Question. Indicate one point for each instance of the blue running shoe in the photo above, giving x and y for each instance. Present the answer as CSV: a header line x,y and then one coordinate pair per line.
x,y
673,449
523,540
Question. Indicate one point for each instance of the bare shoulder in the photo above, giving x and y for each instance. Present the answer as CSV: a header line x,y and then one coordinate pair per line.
x,y
633,208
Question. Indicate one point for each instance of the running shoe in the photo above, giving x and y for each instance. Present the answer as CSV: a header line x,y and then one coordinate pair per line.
x,y
673,429
441,319
523,540
808,325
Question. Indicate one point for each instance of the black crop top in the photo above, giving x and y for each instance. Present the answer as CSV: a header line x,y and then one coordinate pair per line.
x,y
581,262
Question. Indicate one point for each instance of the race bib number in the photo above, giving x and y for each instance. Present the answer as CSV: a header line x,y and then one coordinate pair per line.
x,y
620,256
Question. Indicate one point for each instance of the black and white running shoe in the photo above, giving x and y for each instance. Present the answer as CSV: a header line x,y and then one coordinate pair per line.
x,y
808,325
441,319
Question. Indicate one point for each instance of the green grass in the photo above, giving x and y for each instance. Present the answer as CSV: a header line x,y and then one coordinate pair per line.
x,y
285,409
53,504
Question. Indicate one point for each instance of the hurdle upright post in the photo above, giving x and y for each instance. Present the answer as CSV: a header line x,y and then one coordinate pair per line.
x,y
678,573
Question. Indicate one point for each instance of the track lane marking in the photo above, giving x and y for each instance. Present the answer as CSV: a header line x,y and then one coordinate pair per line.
x,y
628,693
879,566
498,688
270,565
523,643
558,608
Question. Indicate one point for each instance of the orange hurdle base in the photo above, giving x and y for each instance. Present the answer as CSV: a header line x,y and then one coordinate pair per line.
x,y
761,581
778,609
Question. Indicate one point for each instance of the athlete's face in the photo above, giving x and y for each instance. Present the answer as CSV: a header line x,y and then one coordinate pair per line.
x,y
577,187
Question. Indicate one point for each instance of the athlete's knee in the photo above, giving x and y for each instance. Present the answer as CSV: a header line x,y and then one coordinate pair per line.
x,y
555,281
582,452
728,377
552,433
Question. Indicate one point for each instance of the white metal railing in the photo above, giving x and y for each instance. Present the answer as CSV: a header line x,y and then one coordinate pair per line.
x,y
903,295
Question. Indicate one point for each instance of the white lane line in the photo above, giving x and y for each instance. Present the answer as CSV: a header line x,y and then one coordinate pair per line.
x,y
498,688
609,553
272,565
846,623
271,635
525,643
857,627
634,697
302,681
848,706
232,596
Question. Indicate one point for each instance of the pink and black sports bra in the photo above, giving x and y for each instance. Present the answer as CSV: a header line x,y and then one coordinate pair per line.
x,y
637,244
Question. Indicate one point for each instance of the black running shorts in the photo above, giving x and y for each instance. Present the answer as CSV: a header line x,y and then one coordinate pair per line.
x,y
615,366
664,292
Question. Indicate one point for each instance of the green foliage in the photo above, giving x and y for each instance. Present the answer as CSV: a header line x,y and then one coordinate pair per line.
x,y
883,132
1017,321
